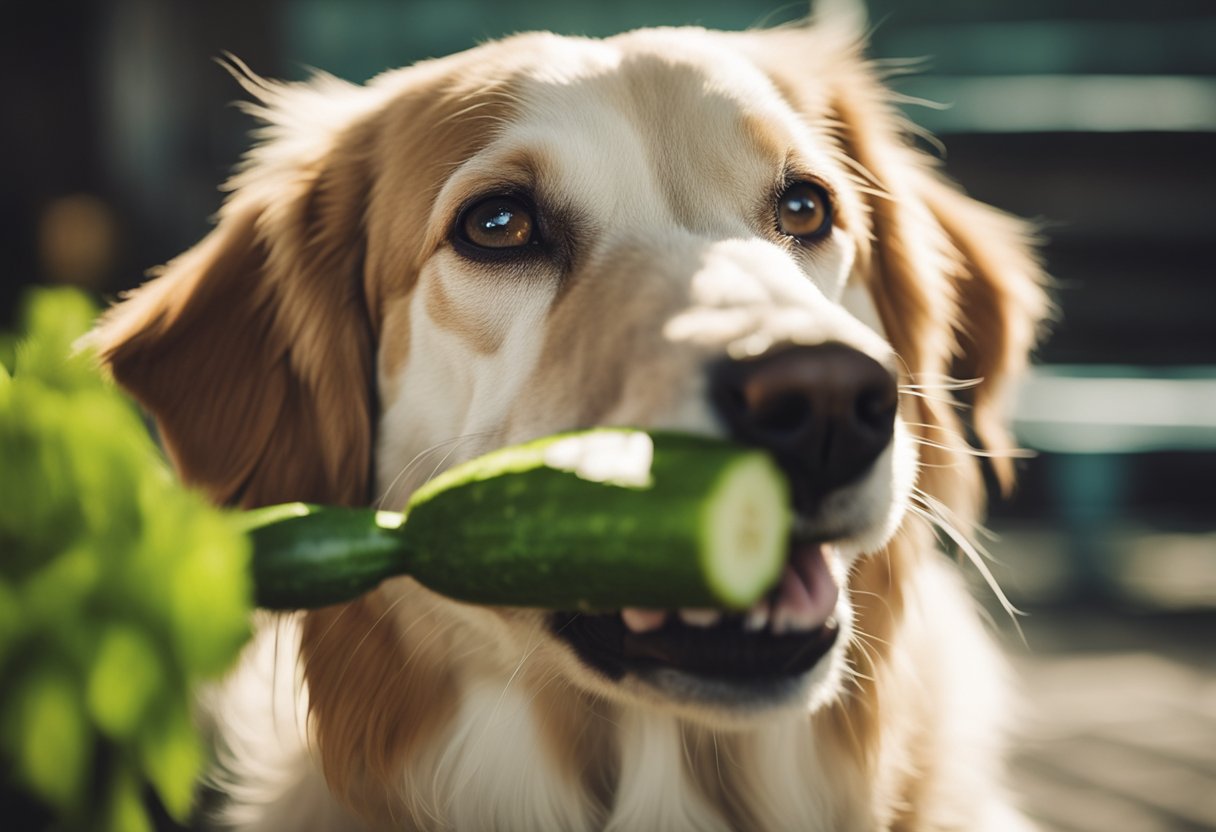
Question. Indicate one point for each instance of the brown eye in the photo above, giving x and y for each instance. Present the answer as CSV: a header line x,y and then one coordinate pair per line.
x,y
804,211
499,222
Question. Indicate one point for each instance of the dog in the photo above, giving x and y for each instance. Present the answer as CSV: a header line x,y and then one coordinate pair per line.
x,y
731,234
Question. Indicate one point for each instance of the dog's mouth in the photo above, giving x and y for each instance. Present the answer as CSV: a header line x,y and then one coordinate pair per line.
x,y
782,637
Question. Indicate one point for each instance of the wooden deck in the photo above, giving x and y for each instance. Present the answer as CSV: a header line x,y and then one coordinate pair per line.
x,y
1119,733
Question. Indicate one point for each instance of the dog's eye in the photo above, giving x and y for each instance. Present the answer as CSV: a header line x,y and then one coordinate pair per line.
x,y
497,222
804,210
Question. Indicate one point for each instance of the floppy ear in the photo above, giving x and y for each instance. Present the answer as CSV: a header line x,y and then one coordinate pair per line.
x,y
956,282
253,350
999,306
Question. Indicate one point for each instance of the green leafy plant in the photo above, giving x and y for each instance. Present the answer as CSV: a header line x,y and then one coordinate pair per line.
x,y
120,590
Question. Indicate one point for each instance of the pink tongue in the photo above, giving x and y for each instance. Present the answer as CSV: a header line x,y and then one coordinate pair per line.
x,y
807,594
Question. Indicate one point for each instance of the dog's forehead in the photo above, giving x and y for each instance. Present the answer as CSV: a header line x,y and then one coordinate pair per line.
x,y
656,124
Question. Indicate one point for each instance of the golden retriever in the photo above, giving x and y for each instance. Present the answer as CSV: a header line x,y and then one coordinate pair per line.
x,y
723,233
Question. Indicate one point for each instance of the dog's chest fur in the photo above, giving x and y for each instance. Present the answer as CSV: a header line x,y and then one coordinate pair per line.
x,y
498,764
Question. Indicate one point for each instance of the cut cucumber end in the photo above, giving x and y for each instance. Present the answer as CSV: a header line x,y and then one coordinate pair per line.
x,y
746,523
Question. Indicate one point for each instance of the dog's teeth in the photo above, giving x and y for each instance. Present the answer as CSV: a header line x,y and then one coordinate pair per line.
x,y
700,618
643,621
785,620
801,623
756,618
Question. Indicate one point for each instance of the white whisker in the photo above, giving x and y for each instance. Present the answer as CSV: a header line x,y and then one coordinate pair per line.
x,y
969,450
420,456
934,381
974,552
949,401
439,465
974,529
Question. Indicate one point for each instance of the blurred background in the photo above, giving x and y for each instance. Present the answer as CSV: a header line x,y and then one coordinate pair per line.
x,y
1096,118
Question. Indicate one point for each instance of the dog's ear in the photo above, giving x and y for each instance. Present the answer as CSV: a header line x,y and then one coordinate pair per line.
x,y
998,307
955,281
253,350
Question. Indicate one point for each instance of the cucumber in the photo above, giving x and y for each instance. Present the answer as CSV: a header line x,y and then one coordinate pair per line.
x,y
307,556
600,519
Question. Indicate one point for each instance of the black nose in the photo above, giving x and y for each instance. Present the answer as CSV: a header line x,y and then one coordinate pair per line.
x,y
825,412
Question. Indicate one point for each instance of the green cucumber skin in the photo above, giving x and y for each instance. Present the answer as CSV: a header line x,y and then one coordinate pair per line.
x,y
540,537
320,556
506,529
620,550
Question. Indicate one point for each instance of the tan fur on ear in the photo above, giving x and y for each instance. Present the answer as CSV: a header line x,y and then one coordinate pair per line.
x,y
1000,303
960,295
955,282
253,350
255,353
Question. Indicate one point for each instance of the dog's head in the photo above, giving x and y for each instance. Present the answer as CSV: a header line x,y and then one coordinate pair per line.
x,y
720,233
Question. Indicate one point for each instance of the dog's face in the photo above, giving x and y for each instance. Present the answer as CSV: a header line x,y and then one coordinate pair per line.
x,y
657,238
722,234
